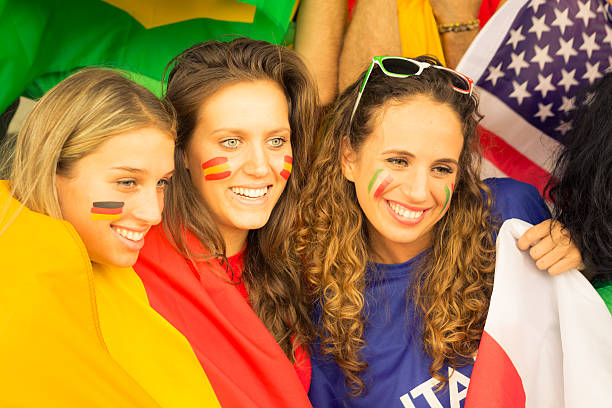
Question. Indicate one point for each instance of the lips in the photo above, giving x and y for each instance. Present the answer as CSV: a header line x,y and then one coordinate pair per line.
x,y
406,215
250,192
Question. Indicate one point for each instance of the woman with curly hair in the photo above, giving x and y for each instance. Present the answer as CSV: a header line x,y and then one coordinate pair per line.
x,y
220,267
398,238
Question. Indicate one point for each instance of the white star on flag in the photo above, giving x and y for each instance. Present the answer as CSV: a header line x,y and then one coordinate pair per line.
x,y
544,84
585,12
566,49
518,62
539,26
495,73
561,20
520,91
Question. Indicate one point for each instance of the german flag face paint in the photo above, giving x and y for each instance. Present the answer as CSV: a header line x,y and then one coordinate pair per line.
x,y
216,169
379,182
449,193
287,166
106,210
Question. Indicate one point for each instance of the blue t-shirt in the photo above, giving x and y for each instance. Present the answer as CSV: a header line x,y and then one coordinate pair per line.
x,y
398,373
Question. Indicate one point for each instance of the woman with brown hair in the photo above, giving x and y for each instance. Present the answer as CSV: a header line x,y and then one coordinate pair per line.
x,y
398,238
86,182
221,269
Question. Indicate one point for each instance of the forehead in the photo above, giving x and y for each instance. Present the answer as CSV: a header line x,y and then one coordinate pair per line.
x,y
417,125
244,100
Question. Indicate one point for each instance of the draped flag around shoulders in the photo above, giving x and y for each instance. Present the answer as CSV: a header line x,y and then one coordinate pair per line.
x,y
43,41
547,341
529,62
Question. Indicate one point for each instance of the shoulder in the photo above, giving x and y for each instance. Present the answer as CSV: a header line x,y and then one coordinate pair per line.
x,y
515,199
37,243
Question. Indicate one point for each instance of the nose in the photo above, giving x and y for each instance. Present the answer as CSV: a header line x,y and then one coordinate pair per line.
x,y
149,205
257,163
416,184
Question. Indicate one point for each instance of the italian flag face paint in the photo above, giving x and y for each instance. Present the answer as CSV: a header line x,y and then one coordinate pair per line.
x,y
106,210
449,193
216,169
379,181
287,166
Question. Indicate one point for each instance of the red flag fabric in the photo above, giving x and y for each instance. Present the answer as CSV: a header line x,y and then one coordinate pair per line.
x,y
529,62
547,341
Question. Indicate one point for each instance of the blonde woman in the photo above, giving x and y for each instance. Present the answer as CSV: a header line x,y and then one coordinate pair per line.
x,y
86,183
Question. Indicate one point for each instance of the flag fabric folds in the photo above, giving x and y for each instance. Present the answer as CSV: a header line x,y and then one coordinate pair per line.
x,y
547,341
43,41
529,62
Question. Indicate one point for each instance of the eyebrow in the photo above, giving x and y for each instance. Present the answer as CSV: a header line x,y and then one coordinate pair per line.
x,y
240,131
129,169
407,153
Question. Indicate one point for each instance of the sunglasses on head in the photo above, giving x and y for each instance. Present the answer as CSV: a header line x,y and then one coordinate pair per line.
x,y
401,67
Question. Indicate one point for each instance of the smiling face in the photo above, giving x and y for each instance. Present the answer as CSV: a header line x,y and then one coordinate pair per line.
x,y
239,157
404,175
115,194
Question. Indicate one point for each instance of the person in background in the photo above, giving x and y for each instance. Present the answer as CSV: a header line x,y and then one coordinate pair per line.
x,y
581,189
86,182
441,28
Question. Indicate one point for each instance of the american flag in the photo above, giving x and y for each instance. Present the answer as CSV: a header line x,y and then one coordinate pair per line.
x,y
529,63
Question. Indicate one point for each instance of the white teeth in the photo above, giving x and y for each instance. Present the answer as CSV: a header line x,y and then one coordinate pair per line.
x,y
404,212
250,192
129,234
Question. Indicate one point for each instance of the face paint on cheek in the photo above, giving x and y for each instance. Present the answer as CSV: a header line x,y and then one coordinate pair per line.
x,y
287,166
379,181
216,168
449,193
106,210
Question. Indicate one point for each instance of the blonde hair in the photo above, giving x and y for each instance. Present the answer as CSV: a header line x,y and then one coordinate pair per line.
x,y
71,121
451,293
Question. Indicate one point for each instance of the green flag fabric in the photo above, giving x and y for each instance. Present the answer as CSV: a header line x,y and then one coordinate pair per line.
x,y
43,41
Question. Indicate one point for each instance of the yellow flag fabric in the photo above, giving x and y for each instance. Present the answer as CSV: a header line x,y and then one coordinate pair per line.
x,y
76,336
418,29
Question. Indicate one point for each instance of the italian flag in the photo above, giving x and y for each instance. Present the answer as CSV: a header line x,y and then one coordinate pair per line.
x,y
44,41
547,341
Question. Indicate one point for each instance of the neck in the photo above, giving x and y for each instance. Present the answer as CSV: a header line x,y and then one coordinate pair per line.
x,y
386,251
234,240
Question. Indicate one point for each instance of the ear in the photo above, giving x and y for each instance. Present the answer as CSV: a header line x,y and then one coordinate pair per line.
x,y
348,160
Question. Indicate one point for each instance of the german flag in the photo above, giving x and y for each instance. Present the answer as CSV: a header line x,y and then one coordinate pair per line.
x,y
216,169
287,166
106,210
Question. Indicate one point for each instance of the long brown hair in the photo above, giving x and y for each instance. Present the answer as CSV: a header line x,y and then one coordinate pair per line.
x,y
451,294
271,273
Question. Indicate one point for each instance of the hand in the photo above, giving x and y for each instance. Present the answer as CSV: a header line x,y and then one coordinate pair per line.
x,y
551,248
453,11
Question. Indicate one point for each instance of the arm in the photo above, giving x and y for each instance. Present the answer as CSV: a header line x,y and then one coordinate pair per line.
x,y
551,248
318,38
449,12
374,30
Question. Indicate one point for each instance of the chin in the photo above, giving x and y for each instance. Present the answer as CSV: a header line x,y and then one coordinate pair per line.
x,y
125,261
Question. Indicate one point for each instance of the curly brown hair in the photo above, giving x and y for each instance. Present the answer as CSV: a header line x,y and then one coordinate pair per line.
x,y
271,273
452,290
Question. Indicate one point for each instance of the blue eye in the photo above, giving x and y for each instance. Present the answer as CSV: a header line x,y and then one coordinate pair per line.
x,y
230,143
